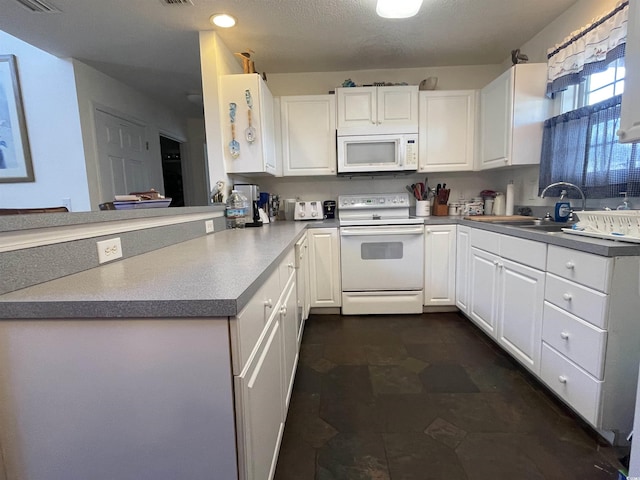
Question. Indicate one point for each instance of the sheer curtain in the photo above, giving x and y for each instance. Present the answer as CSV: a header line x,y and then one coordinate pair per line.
x,y
581,147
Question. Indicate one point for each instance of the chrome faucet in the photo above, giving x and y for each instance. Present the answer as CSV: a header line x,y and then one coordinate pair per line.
x,y
564,192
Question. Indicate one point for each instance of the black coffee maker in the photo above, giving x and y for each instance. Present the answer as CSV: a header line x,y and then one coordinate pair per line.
x,y
329,209
252,193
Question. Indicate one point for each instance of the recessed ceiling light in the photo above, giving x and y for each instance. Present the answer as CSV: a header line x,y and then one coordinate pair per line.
x,y
223,20
398,8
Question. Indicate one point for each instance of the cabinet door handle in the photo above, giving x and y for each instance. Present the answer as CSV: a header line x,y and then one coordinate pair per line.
x,y
283,309
268,303
500,265
564,335
291,265
567,297
562,379
496,263
570,265
428,231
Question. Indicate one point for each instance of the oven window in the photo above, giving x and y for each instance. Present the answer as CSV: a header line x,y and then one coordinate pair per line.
x,y
381,251
377,153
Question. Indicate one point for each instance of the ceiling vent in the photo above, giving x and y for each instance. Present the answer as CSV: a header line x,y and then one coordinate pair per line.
x,y
39,6
177,2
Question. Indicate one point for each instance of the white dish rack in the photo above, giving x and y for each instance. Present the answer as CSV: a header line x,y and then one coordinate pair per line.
x,y
623,225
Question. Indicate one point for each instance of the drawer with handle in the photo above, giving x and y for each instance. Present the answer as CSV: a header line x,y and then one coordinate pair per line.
x,y
571,383
577,340
583,302
585,268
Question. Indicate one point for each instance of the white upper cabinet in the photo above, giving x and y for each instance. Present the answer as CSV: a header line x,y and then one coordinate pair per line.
x,y
256,153
630,116
362,110
447,131
513,108
308,132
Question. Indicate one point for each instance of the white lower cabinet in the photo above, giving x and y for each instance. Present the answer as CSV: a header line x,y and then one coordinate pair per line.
x,y
569,316
440,265
265,382
520,311
288,308
302,283
483,287
259,391
324,267
463,269
507,295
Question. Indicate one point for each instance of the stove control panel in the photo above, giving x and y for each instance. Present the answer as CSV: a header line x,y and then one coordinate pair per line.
x,y
374,201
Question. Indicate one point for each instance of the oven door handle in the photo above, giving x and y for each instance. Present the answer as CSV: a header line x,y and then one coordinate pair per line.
x,y
368,232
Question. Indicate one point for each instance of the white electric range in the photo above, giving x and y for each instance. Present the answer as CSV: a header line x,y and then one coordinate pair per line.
x,y
382,254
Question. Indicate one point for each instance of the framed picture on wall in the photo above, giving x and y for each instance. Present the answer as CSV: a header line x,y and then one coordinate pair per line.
x,y
15,155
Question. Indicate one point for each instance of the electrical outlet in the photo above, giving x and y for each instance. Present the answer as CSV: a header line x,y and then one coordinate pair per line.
x,y
109,250
208,225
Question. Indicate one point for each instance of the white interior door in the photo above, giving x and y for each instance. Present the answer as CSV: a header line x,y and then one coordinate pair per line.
x,y
124,163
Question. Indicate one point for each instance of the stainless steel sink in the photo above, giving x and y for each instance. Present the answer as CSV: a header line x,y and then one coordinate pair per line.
x,y
547,227
517,223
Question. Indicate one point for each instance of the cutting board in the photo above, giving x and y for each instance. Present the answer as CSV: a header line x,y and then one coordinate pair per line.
x,y
499,218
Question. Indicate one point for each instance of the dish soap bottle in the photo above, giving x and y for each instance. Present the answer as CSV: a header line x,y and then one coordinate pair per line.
x,y
562,211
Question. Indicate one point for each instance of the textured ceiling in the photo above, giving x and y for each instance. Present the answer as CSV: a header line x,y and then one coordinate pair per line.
x,y
154,47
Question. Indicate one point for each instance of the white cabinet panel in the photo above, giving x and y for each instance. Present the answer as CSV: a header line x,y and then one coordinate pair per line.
x,y
308,135
630,116
447,131
585,268
571,383
258,156
483,287
324,267
362,110
260,398
462,268
513,108
246,327
440,265
527,252
290,333
583,302
520,312
576,339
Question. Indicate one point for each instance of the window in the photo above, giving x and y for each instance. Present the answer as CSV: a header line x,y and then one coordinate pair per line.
x,y
600,86
581,145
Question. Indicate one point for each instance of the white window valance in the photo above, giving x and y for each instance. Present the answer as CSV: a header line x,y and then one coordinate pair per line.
x,y
588,50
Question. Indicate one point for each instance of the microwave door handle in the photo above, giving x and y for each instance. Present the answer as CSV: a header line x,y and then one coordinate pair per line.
x,y
346,232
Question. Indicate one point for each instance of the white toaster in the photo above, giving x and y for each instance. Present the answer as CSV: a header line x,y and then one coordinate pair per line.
x,y
308,210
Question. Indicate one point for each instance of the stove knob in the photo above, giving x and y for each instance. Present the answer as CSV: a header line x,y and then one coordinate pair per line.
x,y
352,202
402,200
395,200
382,200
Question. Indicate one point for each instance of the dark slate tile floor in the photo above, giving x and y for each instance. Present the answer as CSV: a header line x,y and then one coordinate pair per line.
x,y
404,397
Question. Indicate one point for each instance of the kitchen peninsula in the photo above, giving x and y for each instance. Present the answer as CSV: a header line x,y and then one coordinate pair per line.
x,y
138,366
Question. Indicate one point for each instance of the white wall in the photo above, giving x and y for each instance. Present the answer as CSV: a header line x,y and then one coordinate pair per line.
x,y
194,165
316,83
53,126
215,60
97,89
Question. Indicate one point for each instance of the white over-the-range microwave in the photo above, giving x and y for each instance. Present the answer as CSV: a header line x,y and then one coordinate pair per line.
x,y
393,152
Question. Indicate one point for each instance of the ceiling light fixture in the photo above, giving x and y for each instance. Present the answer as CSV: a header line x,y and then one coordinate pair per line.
x,y
223,20
398,8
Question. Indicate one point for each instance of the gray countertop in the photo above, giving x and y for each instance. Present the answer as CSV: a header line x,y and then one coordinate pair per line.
x,y
210,276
